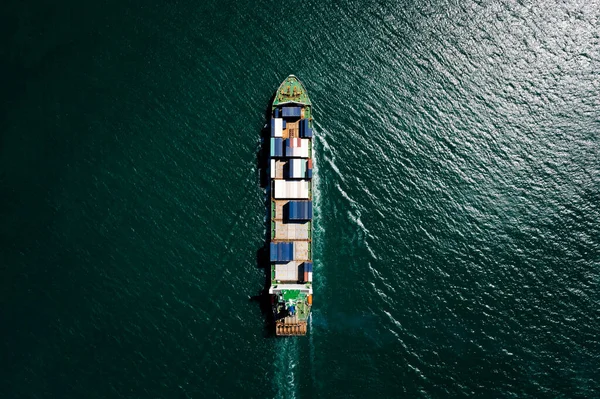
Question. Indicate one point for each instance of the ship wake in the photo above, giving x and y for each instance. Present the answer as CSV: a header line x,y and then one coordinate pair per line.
x,y
286,369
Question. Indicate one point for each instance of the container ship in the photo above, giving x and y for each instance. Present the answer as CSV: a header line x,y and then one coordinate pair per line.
x,y
291,209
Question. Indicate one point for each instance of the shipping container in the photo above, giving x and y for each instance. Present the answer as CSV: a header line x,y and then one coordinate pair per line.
x,y
297,147
302,251
291,112
305,130
298,210
276,149
276,127
273,252
290,271
308,266
281,252
297,168
291,189
291,231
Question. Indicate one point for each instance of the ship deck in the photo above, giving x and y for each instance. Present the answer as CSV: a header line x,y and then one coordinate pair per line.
x,y
291,178
291,90
302,307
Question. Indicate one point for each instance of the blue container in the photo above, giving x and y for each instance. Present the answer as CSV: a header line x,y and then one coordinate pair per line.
x,y
281,252
303,126
292,210
298,210
273,252
308,267
284,124
276,147
287,145
276,112
291,112
305,131
309,173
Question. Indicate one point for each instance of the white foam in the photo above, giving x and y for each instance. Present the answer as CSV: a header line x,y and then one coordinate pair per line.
x,y
285,374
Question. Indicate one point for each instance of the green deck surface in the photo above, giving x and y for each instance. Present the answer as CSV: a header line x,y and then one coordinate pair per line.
x,y
291,90
299,298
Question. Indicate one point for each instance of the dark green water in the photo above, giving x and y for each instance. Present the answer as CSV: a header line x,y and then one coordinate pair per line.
x,y
458,198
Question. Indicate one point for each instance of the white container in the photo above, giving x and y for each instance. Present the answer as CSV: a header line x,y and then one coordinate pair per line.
x,y
297,148
296,167
287,271
278,127
291,189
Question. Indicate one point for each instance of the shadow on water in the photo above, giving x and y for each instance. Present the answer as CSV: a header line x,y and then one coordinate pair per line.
x,y
262,254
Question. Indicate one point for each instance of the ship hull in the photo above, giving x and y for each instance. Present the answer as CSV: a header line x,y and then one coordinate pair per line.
x,y
290,188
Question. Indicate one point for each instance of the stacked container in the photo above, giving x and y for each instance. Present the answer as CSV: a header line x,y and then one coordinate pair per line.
x,y
288,271
297,168
297,147
298,210
291,189
276,147
308,270
305,130
291,112
281,251
277,127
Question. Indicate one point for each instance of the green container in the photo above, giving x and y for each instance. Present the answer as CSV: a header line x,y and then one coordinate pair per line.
x,y
272,147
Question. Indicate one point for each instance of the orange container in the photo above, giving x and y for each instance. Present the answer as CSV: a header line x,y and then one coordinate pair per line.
x,y
310,299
